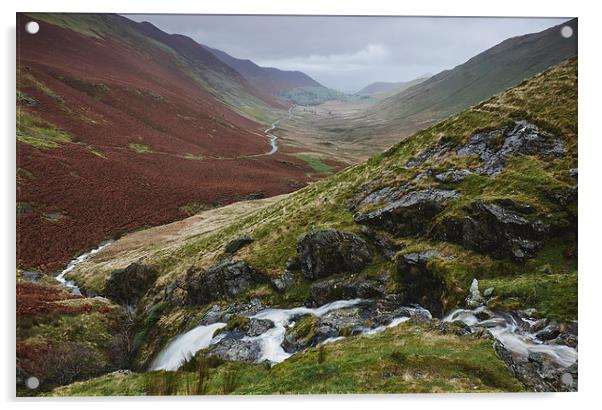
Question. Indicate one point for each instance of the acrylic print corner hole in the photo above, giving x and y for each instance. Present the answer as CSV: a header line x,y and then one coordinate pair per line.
x,y
32,27
354,205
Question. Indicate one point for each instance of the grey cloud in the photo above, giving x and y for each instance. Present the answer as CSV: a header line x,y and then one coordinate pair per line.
x,y
347,53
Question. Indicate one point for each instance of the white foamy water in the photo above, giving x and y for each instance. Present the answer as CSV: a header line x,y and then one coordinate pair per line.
x,y
81,258
519,342
185,346
201,337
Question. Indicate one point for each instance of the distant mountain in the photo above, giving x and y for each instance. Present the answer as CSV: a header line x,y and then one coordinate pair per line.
x,y
267,79
382,87
484,75
121,125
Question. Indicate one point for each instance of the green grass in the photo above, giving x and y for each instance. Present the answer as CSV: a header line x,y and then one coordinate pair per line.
x,y
315,163
409,358
33,131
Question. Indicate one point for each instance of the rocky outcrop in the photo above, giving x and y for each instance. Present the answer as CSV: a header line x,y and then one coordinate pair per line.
x,y
283,282
326,252
224,281
498,229
453,175
236,244
409,215
127,286
384,245
495,147
474,298
329,290
420,284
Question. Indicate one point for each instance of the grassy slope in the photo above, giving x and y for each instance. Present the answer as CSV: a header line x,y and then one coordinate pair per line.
x,y
546,282
407,358
483,75
219,84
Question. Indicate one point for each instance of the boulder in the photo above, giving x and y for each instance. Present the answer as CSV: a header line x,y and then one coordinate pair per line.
x,y
492,229
236,349
283,282
127,286
326,252
549,332
236,244
420,284
329,290
474,298
223,281
409,215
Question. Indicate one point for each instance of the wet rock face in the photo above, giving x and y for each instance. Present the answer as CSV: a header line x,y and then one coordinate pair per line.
x,y
329,290
420,285
236,349
127,286
498,229
409,215
496,146
538,372
226,280
326,252
233,246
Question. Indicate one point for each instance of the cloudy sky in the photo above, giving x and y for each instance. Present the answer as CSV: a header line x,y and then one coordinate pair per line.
x,y
347,53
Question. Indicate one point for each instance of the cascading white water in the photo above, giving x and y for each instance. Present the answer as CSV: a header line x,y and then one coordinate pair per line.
x,y
519,342
201,337
184,346
81,258
270,342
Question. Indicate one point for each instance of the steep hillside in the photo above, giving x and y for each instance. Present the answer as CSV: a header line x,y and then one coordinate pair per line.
x,y
488,194
121,126
269,79
385,89
482,76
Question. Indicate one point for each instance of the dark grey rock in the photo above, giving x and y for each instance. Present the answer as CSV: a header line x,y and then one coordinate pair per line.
x,y
235,245
223,281
491,229
453,175
257,327
549,332
384,245
284,282
233,349
127,286
495,147
329,290
420,285
563,196
326,252
409,215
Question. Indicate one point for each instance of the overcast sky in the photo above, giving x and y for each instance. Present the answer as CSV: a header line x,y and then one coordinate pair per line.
x,y
347,53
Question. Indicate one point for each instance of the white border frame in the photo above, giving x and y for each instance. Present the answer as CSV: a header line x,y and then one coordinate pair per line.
x,y
590,149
